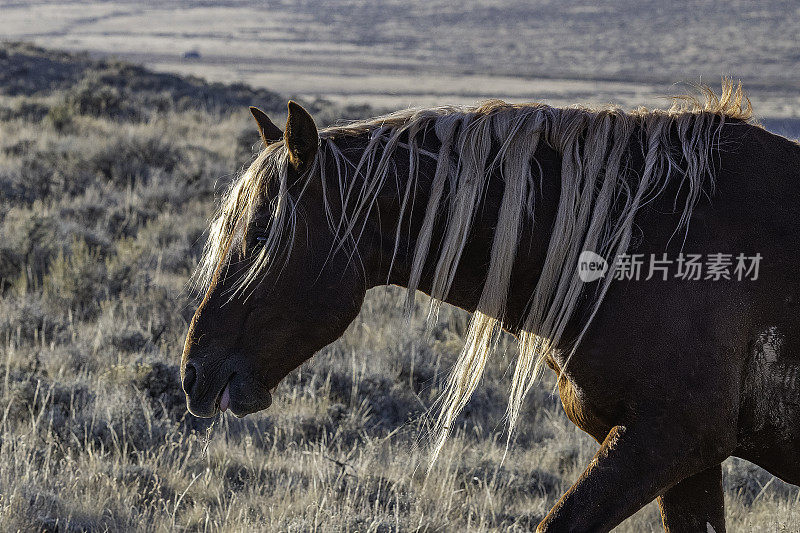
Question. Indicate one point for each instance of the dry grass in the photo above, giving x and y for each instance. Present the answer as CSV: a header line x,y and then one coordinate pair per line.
x,y
101,222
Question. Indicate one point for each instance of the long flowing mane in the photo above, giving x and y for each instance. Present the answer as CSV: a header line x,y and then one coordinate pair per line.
x,y
596,208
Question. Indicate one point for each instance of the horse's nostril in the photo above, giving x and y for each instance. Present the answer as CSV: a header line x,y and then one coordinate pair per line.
x,y
189,377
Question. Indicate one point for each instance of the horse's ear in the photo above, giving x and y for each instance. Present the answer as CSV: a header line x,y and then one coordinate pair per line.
x,y
301,137
269,132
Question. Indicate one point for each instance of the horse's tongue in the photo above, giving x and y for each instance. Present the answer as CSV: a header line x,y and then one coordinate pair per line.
x,y
226,399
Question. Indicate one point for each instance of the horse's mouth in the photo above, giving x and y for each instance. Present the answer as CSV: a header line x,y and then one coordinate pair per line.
x,y
241,409
241,401
238,393
208,406
224,397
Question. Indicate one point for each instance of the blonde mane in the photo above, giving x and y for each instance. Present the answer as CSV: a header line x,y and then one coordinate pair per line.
x,y
597,205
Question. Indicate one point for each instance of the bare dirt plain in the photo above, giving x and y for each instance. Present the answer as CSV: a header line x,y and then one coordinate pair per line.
x,y
398,53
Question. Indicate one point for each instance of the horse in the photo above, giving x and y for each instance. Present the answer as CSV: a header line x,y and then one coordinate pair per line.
x,y
532,218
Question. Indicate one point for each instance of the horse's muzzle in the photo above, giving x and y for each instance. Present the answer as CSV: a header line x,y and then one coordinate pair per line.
x,y
208,395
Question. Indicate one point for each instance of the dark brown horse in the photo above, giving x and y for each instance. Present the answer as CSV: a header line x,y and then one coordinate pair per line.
x,y
531,217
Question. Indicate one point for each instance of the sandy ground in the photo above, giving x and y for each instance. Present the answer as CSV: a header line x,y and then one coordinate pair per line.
x,y
398,53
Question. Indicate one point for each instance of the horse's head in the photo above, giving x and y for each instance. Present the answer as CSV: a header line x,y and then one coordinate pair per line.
x,y
275,292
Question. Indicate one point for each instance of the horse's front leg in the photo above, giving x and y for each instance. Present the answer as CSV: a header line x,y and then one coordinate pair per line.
x,y
632,467
695,503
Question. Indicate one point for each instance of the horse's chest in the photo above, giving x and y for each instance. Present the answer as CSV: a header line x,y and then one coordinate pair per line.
x,y
582,411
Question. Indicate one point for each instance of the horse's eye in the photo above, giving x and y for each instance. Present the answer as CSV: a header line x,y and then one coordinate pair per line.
x,y
261,238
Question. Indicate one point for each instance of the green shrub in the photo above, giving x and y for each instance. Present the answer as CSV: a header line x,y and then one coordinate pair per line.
x,y
91,97
29,240
76,280
60,116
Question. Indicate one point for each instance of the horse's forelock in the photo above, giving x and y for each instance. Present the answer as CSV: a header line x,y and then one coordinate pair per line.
x,y
236,209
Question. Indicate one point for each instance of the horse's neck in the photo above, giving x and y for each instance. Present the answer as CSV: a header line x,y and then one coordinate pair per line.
x,y
395,263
